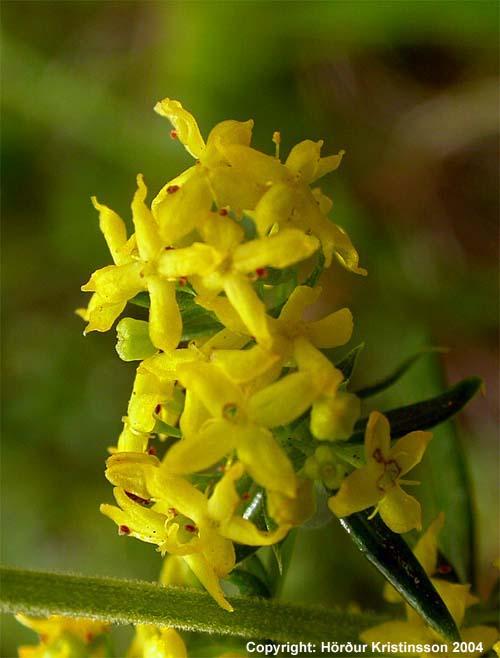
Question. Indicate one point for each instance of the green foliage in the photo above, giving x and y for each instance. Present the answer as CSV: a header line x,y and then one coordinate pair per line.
x,y
390,554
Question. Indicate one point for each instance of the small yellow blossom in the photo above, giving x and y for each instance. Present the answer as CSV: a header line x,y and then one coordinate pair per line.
x,y
378,482
325,466
241,420
153,642
170,512
64,637
134,270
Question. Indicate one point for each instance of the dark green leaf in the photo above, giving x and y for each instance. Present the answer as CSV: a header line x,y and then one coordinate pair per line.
x,y
391,379
141,299
426,414
392,556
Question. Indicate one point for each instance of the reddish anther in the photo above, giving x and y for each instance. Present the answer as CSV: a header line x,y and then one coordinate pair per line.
x,y
157,408
183,280
190,528
173,134
172,511
137,499
245,496
152,451
223,212
172,188
261,272
124,530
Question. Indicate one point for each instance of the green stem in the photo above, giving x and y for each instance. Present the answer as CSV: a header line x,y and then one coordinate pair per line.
x,y
136,602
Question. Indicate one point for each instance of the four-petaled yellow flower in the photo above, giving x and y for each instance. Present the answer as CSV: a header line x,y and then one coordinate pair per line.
x,y
378,482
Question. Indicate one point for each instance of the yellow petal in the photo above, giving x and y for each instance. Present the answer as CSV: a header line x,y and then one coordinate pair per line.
x,y
206,575
117,283
409,450
132,471
201,450
426,550
328,164
292,511
399,511
224,311
261,168
225,499
130,440
480,634
265,460
231,188
164,366
144,524
396,632
181,207
454,596
304,158
212,387
224,134
146,229
283,401
193,416
197,259
165,321
244,365
248,305
299,300
333,418
377,437
184,124
333,330
113,228
275,207
99,314
147,394
287,247
243,531
324,378
358,491
221,232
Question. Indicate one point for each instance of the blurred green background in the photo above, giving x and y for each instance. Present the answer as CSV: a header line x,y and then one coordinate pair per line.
x,y
409,89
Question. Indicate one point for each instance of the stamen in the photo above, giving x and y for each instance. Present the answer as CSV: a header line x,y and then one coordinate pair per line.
x,y
183,280
223,212
152,451
157,408
171,189
124,530
172,511
190,528
173,134
245,496
137,499
261,272
277,141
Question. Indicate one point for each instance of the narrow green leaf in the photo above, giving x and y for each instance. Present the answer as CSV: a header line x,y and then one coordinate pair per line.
x,y
426,414
392,556
164,428
391,379
141,299
136,602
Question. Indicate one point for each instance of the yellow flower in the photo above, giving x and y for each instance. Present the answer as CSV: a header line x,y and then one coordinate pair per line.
x,y
223,262
456,598
135,269
153,642
173,514
64,637
241,419
277,194
378,482
325,466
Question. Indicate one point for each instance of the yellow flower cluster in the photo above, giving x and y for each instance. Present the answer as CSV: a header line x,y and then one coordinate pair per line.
x,y
224,240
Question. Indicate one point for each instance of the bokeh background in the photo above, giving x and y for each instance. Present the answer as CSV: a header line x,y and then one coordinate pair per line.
x,y
409,89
